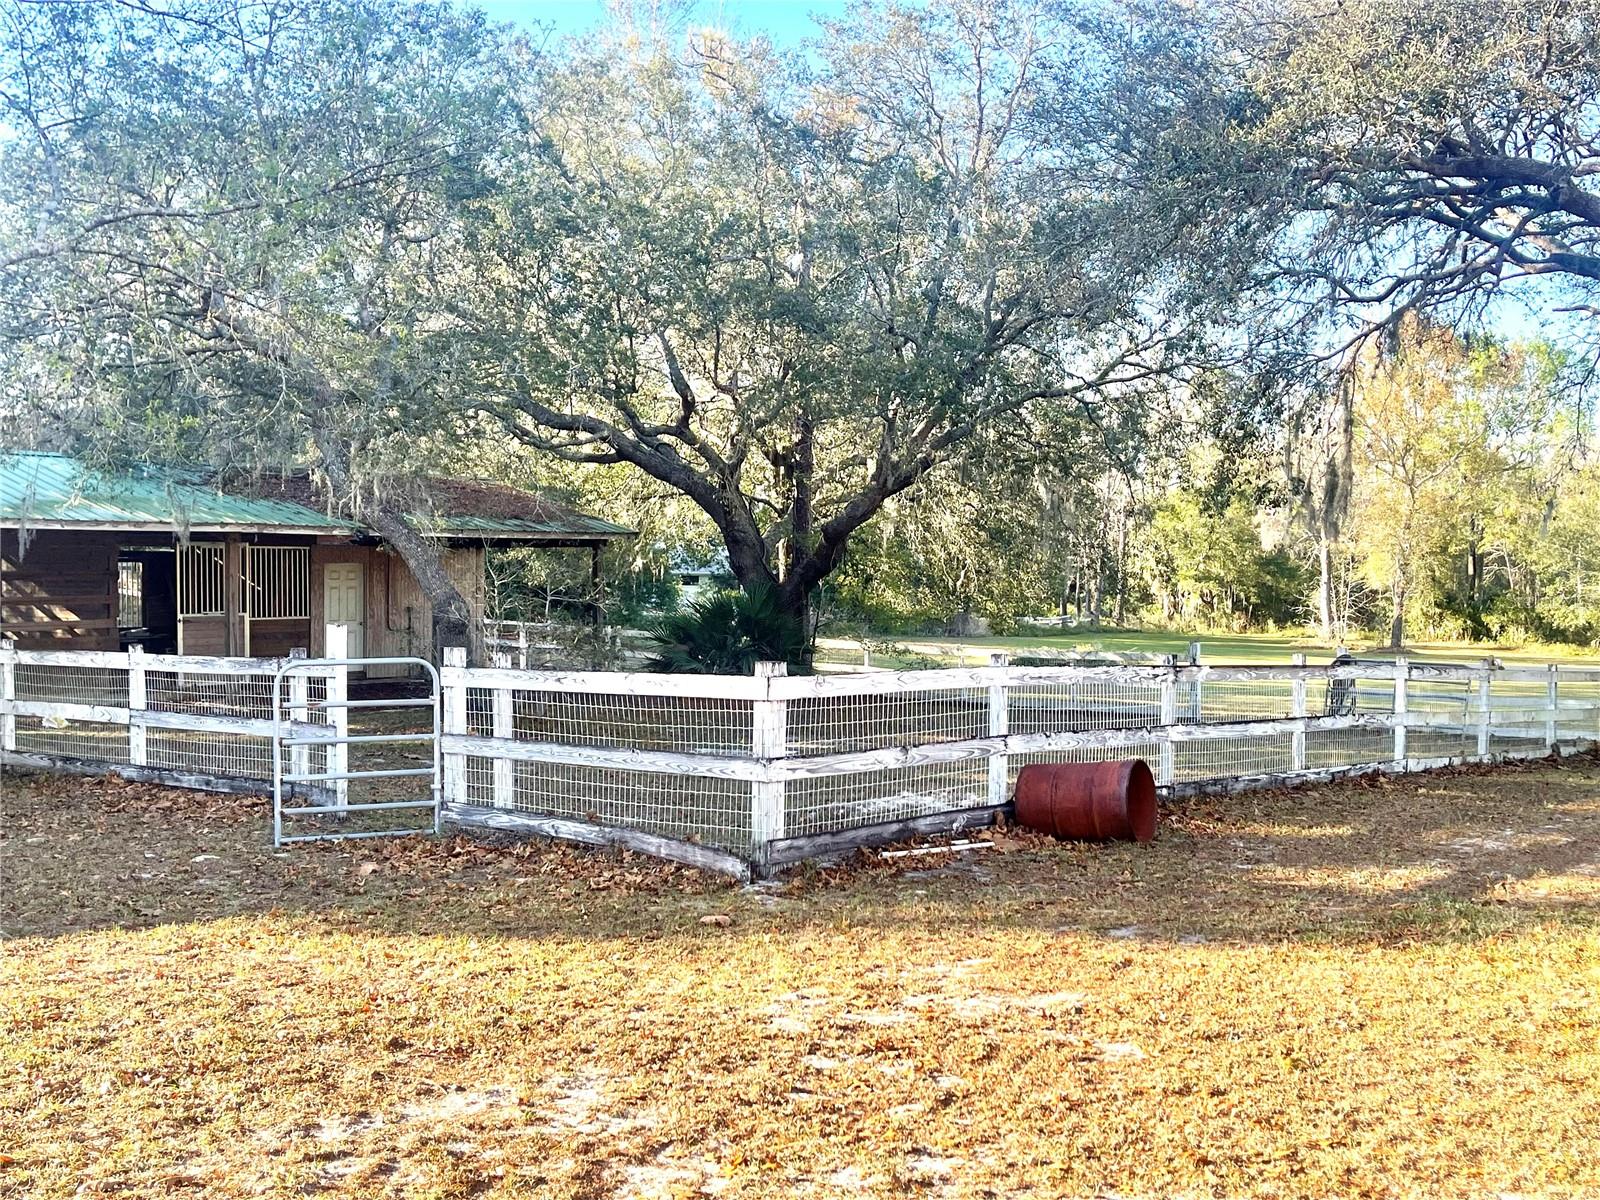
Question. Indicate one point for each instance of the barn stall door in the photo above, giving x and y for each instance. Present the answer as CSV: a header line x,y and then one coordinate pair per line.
x,y
277,596
344,602
202,599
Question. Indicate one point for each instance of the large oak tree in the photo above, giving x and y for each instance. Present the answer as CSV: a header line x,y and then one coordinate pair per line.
x,y
787,287
791,291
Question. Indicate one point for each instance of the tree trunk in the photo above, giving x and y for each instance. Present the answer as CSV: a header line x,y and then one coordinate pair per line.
x,y
452,615
1397,620
1325,588
796,603
802,534
1121,616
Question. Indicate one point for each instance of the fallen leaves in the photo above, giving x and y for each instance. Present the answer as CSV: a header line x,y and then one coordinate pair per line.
x,y
505,1019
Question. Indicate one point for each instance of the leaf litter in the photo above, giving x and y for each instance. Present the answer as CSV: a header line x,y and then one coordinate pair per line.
x,y
1406,1004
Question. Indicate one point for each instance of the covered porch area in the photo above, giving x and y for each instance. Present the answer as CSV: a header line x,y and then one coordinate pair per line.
x,y
165,560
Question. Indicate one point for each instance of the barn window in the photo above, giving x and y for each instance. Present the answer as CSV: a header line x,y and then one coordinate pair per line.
x,y
200,580
277,582
130,595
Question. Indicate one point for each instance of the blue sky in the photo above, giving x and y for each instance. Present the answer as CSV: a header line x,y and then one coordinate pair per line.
x,y
785,22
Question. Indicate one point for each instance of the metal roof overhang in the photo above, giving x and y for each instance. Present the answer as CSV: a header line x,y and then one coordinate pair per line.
x,y
168,528
548,539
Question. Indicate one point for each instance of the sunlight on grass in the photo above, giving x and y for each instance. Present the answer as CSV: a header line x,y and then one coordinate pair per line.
x,y
1216,648
1295,994
1369,881
1276,829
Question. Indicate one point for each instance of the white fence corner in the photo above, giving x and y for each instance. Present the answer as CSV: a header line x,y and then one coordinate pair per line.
x,y
769,739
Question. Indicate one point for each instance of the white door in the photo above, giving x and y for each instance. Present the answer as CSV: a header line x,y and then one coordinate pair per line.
x,y
344,602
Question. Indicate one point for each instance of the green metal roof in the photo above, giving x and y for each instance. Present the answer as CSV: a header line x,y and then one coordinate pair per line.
x,y
43,490
440,506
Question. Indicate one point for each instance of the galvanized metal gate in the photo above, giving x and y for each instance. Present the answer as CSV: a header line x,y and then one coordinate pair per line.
x,y
325,794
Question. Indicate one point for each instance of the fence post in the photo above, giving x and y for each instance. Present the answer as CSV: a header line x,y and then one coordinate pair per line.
x,y
1297,740
1402,674
453,699
999,726
504,727
769,739
1553,703
1484,703
522,655
337,646
138,755
1167,768
299,710
1194,685
8,694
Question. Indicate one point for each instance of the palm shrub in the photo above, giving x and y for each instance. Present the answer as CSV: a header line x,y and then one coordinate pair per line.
x,y
726,634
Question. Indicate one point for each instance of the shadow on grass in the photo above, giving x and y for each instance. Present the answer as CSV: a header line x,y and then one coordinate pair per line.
x,y
1447,856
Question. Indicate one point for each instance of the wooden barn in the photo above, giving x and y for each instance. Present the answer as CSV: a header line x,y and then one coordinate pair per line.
x,y
95,560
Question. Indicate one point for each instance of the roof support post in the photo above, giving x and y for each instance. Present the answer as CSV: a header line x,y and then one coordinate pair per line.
x,y
233,595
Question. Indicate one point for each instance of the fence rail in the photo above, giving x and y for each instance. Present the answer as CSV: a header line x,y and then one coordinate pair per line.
x,y
747,773
548,645
182,719
744,774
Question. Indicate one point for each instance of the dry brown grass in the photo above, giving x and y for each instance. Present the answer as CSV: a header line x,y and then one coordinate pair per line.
x,y
1384,990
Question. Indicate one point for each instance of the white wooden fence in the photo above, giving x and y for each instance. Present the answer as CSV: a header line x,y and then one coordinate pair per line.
x,y
745,774
181,719
546,645
748,773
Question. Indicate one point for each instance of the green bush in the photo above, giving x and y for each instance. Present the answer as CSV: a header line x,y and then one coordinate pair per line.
x,y
726,634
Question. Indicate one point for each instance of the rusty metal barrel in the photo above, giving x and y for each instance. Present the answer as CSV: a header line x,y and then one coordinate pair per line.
x,y
1089,802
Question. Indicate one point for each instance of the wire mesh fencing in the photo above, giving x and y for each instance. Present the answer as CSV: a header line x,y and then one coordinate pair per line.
x,y
184,719
743,773
762,769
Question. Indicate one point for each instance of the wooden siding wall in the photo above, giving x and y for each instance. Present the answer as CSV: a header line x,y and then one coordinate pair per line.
x,y
275,638
399,619
203,635
62,593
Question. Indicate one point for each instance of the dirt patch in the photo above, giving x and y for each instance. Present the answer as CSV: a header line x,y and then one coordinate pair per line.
x,y
87,853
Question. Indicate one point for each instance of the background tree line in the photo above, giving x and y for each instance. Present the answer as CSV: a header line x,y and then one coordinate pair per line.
x,y
1467,511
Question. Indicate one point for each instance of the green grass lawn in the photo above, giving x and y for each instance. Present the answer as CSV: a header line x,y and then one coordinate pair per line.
x,y
1217,648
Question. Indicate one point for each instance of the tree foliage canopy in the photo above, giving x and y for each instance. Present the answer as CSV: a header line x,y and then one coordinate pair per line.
x,y
1367,157
1022,305
791,292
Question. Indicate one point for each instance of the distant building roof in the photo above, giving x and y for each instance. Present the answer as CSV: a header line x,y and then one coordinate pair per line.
x,y
708,562
42,490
